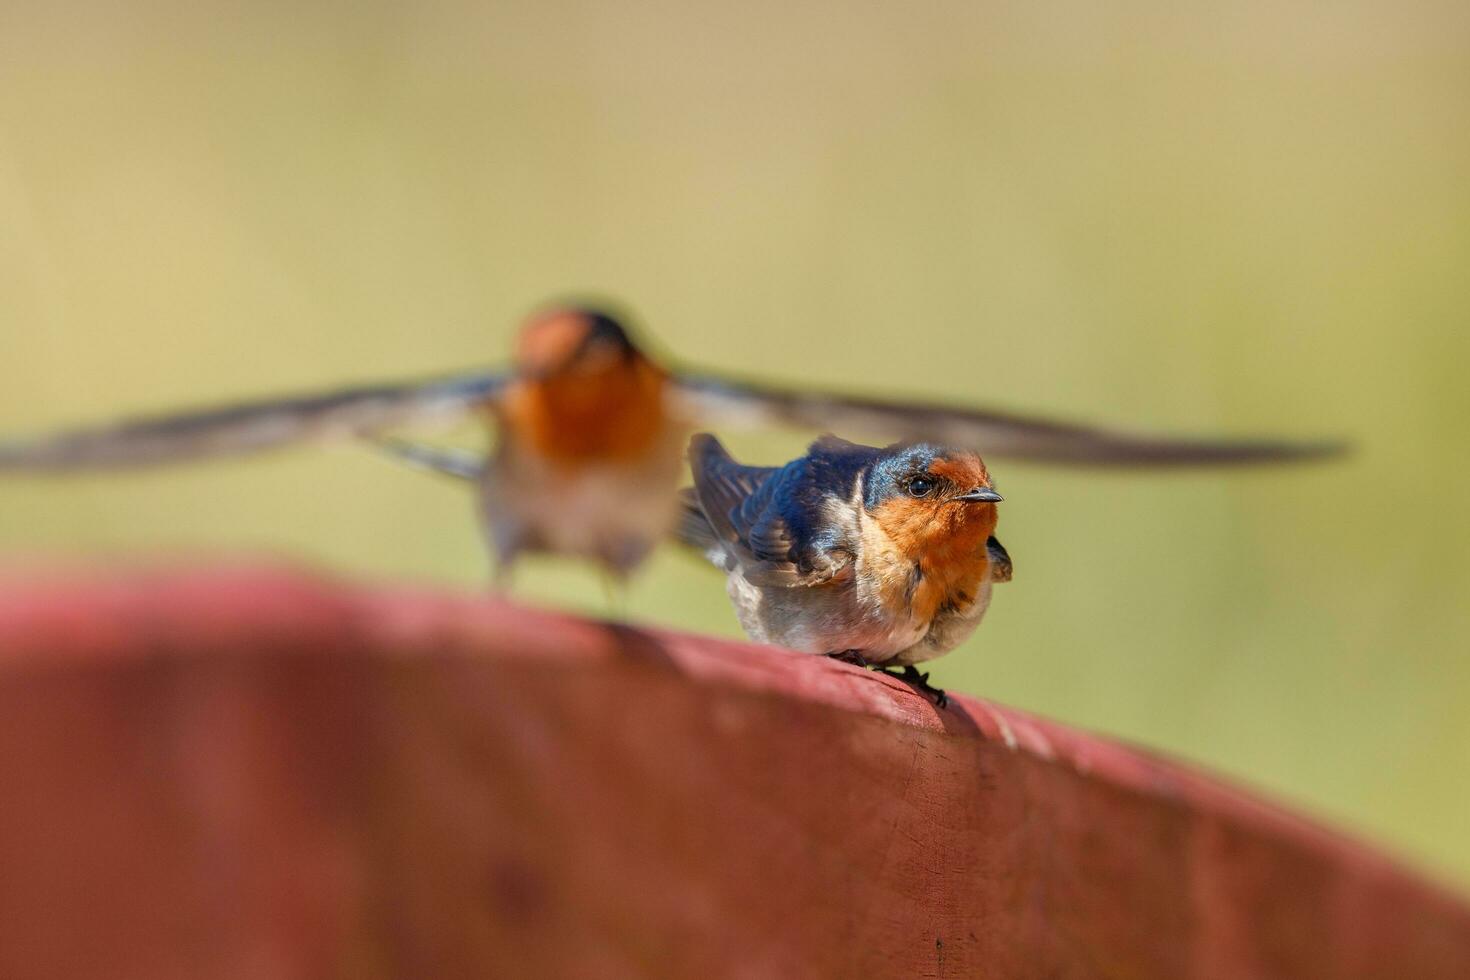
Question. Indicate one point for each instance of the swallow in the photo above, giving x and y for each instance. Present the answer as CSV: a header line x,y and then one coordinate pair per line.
x,y
880,557
591,435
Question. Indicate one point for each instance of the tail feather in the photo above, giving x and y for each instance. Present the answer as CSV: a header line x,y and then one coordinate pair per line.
x,y
693,528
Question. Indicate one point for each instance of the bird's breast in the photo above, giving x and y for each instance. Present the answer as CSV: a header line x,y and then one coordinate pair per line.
x,y
617,416
914,571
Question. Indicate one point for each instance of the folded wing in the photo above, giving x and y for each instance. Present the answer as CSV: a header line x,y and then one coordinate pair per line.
x,y
743,506
1000,560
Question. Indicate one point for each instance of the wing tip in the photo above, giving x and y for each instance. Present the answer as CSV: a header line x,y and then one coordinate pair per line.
x,y
1182,453
1271,451
37,457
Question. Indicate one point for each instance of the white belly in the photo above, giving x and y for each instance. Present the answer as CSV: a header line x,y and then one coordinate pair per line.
x,y
577,515
835,619
610,512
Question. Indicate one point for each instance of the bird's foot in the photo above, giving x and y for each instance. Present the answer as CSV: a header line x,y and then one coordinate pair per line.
x,y
911,676
853,657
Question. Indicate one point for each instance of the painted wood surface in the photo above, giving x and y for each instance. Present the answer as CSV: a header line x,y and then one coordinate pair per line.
x,y
253,772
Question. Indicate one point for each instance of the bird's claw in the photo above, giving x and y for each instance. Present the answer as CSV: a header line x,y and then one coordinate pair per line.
x,y
909,674
920,682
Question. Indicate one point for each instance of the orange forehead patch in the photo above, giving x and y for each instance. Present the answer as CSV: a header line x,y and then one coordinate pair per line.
x,y
964,470
548,340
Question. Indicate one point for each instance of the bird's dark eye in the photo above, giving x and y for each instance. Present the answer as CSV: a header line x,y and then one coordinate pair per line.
x,y
921,486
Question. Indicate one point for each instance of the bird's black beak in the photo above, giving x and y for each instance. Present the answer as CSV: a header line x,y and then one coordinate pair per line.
x,y
982,495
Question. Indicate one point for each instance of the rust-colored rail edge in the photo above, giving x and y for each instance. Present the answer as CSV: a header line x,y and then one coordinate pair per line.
x,y
64,614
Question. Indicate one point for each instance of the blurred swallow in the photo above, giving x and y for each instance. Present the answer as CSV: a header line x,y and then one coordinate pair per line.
x,y
591,435
880,557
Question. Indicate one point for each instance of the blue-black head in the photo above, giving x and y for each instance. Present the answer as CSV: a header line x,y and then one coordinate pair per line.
x,y
567,340
927,472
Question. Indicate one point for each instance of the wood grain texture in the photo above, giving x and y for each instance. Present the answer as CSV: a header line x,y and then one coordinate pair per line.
x,y
256,773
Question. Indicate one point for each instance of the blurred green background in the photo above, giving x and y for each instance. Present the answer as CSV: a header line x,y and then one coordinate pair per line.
x,y
1236,218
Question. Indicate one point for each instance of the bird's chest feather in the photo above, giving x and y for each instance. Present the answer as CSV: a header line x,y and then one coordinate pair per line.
x,y
920,562
616,416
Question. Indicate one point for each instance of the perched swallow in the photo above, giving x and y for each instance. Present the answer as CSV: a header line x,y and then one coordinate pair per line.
x,y
881,557
591,435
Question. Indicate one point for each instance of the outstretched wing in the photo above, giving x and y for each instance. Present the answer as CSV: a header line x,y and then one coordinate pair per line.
x,y
462,464
716,402
252,426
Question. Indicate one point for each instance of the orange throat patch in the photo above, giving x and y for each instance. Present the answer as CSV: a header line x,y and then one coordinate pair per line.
x,y
947,541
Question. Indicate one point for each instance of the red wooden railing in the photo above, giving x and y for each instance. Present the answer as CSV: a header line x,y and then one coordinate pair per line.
x,y
254,773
